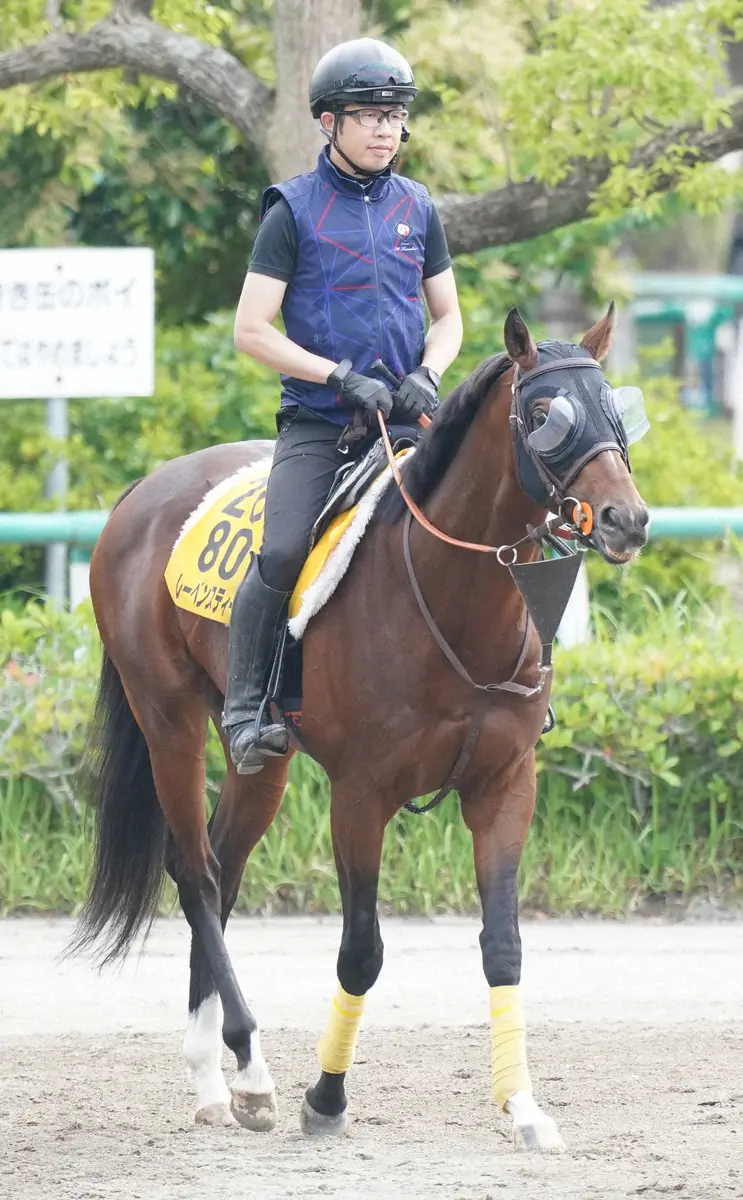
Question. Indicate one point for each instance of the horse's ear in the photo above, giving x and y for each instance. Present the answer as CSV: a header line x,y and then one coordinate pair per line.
x,y
519,343
598,339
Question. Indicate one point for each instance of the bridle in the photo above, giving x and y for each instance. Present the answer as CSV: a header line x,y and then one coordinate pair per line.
x,y
554,485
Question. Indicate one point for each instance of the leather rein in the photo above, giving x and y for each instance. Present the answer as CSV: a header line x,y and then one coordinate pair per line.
x,y
581,523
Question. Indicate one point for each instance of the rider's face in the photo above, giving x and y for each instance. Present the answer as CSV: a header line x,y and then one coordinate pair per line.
x,y
370,146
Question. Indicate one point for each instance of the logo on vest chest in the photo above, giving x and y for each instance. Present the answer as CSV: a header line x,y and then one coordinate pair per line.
x,y
403,229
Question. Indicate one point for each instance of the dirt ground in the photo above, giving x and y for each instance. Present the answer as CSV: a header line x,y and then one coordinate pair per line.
x,y
635,1039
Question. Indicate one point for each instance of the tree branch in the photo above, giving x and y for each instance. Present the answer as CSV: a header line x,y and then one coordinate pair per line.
x,y
126,38
524,210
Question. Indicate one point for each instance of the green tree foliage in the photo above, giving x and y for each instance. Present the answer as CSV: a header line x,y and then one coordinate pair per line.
x,y
509,92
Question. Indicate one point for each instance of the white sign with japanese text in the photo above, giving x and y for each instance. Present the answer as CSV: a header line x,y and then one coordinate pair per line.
x,y
77,323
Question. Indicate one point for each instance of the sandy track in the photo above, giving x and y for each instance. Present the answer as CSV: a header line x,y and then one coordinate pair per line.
x,y
636,1047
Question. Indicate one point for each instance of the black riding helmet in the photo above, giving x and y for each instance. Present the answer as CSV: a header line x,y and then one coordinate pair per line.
x,y
364,71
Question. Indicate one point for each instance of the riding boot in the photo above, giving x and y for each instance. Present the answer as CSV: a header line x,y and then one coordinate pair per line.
x,y
256,618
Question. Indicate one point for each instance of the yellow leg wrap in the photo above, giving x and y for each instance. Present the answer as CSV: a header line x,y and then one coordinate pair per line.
x,y
338,1044
508,1042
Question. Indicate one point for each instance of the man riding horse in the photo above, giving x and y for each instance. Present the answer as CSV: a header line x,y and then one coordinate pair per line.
x,y
346,252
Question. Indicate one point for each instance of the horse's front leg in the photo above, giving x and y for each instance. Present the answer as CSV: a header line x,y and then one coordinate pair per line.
x,y
358,832
499,819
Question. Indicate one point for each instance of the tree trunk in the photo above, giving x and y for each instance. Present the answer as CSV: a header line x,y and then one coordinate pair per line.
x,y
303,31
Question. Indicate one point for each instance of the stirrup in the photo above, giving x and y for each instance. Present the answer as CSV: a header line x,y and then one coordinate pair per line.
x,y
249,752
260,742
549,721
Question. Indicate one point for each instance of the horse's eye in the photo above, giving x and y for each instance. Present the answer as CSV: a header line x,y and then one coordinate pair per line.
x,y
540,417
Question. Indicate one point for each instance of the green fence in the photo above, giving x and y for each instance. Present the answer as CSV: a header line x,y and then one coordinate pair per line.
x,y
81,529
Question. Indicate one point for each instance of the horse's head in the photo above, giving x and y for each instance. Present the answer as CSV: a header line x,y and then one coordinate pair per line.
x,y
572,433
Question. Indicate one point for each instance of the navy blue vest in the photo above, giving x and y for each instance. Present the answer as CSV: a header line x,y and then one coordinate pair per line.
x,y
356,290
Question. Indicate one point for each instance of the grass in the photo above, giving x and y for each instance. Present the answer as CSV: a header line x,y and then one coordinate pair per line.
x,y
588,851
44,850
639,791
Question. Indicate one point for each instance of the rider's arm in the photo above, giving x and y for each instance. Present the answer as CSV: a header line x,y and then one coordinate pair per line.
x,y
445,330
272,265
255,334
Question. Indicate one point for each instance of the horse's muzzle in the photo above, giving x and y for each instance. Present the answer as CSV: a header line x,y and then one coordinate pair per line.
x,y
620,531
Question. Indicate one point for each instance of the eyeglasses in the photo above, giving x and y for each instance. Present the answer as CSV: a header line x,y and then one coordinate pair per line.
x,y
370,118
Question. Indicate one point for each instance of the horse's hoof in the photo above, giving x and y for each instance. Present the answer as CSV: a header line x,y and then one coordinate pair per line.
x,y
541,1138
533,1130
315,1124
255,1110
215,1114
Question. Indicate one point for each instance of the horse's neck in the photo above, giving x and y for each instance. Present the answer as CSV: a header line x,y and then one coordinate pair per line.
x,y
479,500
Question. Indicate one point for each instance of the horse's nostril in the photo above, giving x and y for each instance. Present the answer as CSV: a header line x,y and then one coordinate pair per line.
x,y
624,523
609,517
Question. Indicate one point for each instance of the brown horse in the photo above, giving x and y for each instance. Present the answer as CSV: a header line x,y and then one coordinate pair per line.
x,y
371,667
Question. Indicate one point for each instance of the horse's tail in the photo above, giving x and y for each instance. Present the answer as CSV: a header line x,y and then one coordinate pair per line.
x,y
131,833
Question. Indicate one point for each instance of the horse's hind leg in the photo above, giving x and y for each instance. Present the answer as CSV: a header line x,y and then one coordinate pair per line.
x,y
246,807
175,729
358,823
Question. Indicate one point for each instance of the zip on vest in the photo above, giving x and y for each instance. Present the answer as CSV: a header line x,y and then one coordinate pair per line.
x,y
367,202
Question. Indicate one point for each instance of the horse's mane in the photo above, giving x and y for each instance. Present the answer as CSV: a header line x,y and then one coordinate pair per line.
x,y
439,445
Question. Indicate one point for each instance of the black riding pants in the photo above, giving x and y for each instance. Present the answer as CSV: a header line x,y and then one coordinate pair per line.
x,y
305,462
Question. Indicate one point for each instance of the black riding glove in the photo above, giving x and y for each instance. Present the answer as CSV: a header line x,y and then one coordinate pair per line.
x,y
359,391
418,393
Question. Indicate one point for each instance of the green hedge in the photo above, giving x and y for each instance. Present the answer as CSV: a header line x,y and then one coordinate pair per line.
x,y
640,785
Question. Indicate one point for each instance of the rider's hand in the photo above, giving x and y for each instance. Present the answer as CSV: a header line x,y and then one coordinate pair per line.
x,y
359,391
418,393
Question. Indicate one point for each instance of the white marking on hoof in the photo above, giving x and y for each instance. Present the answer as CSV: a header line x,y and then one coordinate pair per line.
x,y
202,1048
218,1115
253,1092
315,1124
533,1130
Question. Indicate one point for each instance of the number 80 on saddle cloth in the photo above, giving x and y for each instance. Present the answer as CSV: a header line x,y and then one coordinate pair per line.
x,y
216,545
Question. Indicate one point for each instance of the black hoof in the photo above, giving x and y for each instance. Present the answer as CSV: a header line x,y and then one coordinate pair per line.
x,y
315,1124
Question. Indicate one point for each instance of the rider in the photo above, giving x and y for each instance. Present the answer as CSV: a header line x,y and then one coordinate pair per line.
x,y
346,252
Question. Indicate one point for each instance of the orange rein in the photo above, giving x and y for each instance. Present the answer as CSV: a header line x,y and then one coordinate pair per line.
x,y
582,511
